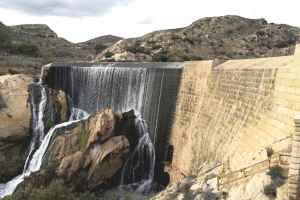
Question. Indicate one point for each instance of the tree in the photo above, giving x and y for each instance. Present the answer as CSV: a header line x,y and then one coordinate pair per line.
x,y
99,48
108,54
25,49
5,42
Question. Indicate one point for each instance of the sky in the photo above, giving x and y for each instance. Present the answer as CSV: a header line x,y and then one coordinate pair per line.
x,y
81,20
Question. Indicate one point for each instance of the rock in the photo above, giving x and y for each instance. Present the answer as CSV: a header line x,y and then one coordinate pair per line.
x,y
114,152
62,98
74,168
15,114
102,126
65,145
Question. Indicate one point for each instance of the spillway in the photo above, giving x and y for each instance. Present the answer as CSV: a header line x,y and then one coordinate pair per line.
x,y
149,88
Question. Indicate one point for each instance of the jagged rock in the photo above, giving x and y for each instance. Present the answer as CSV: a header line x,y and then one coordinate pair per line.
x,y
62,98
102,126
110,160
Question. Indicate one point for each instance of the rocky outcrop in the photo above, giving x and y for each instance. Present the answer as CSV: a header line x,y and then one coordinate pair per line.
x,y
92,152
15,114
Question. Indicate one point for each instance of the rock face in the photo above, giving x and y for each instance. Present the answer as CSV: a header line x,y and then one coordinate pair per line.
x,y
15,114
92,152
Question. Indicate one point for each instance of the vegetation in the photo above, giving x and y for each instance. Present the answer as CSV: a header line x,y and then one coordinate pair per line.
x,y
269,151
151,42
56,191
56,104
25,49
154,47
5,42
48,122
275,171
99,48
193,57
108,54
47,58
224,195
270,190
83,137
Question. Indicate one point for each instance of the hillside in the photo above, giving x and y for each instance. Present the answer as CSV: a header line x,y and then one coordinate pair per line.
x,y
226,37
48,41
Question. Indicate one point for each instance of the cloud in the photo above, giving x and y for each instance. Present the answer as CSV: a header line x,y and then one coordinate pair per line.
x,y
148,20
65,8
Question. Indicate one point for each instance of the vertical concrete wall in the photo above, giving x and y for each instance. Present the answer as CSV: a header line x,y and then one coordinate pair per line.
x,y
232,110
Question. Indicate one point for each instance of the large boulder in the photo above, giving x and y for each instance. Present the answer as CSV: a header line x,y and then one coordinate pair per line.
x,y
102,126
15,114
109,161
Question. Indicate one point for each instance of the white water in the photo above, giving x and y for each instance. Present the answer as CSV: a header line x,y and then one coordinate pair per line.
x,y
36,161
38,124
140,162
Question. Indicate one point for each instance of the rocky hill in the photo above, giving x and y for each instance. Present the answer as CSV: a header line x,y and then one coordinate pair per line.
x,y
47,40
226,37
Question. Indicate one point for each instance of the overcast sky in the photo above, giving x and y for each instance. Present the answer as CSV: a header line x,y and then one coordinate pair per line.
x,y
81,20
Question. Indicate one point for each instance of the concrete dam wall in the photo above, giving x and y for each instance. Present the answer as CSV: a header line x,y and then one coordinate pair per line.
x,y
232,110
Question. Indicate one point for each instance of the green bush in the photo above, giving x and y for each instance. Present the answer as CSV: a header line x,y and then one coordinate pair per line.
x,y
151,42
185,57
275,171
225,195
56,104
269,151
154,47
83,137
108,54
48,122
282,44
175,37
193,57
270,190
159,58
99,48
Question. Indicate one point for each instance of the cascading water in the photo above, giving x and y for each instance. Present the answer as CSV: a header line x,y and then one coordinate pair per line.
x,y
142,159
36,160
122,87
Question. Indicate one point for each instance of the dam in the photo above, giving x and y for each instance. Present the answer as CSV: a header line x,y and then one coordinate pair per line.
x,y
197,111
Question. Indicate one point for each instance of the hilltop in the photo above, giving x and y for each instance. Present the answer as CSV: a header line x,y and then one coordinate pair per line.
x,y
225,37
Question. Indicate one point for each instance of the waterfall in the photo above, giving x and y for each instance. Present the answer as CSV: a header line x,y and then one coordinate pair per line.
x,y
37,120
36,160
140,164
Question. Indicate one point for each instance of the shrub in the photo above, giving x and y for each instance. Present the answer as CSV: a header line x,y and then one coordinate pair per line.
x,y
56,104
270,190
275,171
269,151
260,33
99,48
193,57
154,47
48,122
225,195
185,57
159,58
282,44
83,137
151,42
108,54
175,37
